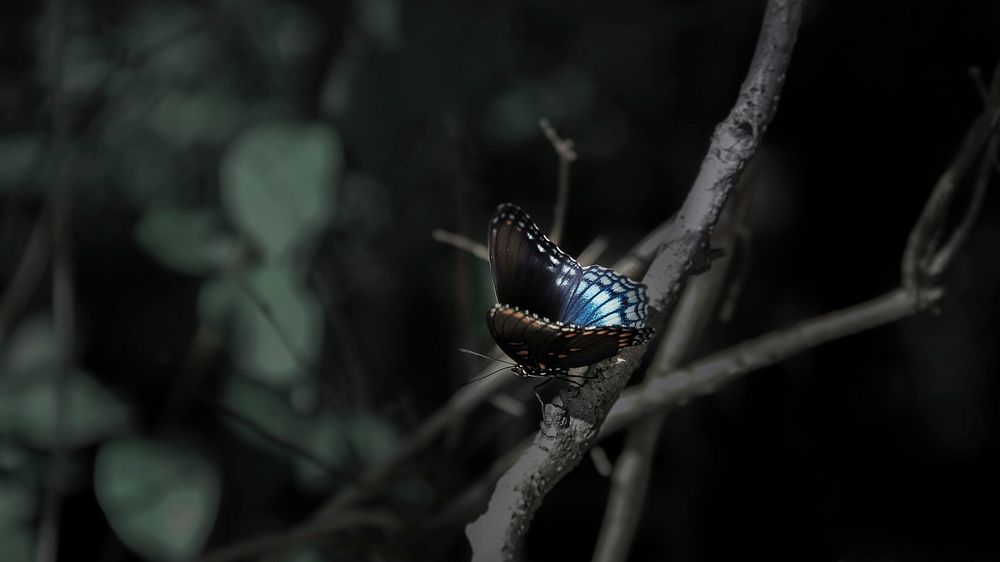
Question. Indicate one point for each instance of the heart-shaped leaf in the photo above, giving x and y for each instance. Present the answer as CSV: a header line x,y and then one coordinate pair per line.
x,y
161,500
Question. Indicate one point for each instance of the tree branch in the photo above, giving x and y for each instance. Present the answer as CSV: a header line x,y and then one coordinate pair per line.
x,y
688,323
567,153
706,375
922,249
461,242
663,391
568,431
702,377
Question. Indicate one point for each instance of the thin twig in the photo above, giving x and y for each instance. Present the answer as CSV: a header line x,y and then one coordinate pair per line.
x,y
593,251
744,250
589,255
706,375
277,440
306,534
947,251
566,152
205,345
976,74
267,312
128,61
922,244
330,515
344,336
461,242
28,272
568,431
63,301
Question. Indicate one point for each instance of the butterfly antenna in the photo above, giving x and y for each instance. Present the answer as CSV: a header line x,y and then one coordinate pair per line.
x,y
489,374
470,352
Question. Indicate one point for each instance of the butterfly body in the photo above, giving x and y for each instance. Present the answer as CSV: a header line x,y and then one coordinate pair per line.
x,y
553,314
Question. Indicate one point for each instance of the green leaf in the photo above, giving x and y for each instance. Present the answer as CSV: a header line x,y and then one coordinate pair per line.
x,y
278,181
203,117
277,326
31,351
161,500
264,407
187,240
28,411
28,394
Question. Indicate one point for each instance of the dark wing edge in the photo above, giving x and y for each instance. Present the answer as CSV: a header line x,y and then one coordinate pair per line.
x,y
538,344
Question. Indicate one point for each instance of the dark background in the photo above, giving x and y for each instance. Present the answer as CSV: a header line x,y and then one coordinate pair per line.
x,y
881,446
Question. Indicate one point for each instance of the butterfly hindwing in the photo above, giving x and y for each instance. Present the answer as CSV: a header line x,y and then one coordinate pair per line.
x,y
540,344
606,298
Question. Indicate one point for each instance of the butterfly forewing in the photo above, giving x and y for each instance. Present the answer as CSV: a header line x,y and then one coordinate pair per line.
x,y
529,271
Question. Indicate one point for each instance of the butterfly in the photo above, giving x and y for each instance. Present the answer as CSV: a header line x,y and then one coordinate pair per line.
x,y
552,313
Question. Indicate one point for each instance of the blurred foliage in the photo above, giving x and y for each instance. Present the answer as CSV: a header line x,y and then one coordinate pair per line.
x,y
29,410
160,499
188,240
261,315
278,183
276,322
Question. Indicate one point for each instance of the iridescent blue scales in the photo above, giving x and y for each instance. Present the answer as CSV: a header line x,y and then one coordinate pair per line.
x,y
555,314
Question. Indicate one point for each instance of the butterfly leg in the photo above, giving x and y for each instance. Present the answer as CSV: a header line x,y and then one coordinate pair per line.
x,y
578,383
540,385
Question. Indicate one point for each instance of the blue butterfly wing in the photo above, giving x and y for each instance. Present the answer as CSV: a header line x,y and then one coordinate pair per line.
x,y
529,271
532,273
606,298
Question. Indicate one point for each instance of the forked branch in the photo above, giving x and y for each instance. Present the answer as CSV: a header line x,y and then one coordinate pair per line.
x,y
568,431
